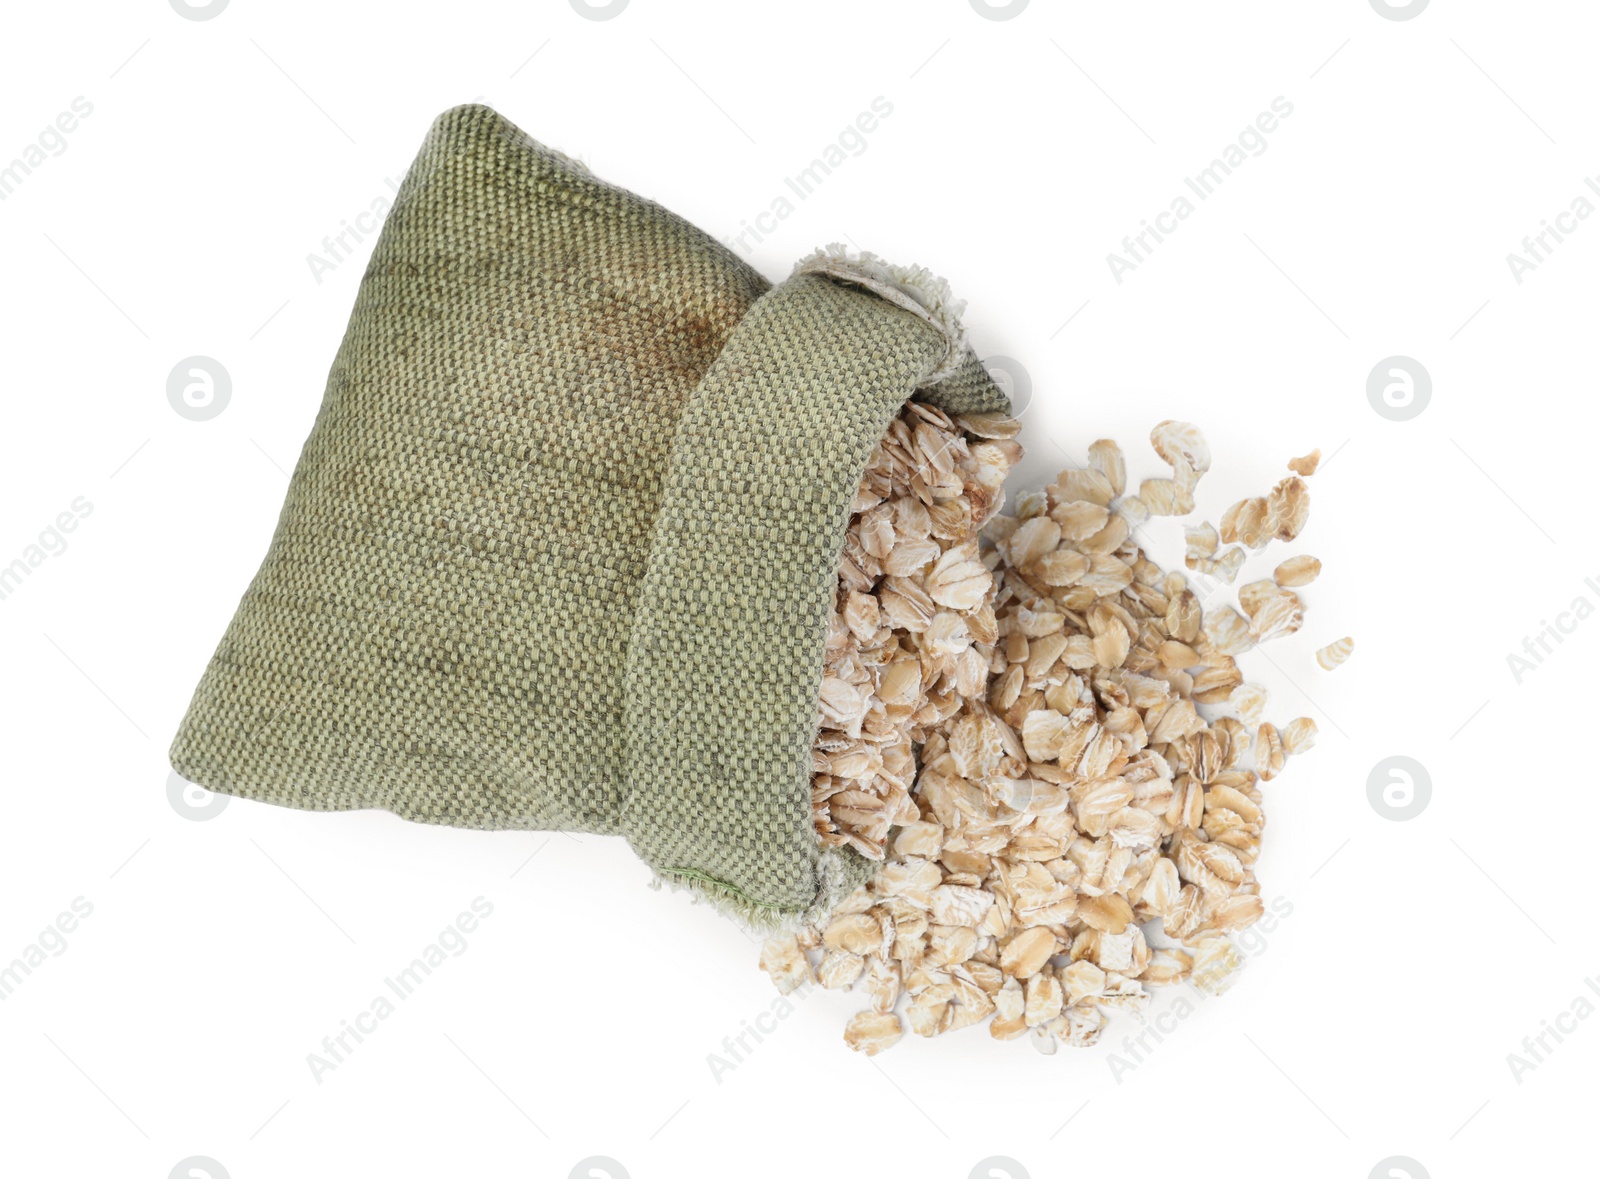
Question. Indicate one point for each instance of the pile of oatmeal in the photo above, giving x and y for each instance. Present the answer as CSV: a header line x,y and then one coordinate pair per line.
x,y
1011,720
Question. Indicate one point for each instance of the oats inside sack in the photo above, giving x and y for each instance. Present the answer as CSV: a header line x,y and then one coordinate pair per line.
x,y
913,627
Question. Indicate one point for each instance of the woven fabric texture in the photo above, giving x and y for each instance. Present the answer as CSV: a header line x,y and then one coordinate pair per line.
x,y
560,548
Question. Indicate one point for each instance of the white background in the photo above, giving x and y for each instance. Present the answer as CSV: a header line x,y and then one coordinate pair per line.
x,y
1375,1020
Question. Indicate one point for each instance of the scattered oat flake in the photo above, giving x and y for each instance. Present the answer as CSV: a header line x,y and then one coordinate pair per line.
x,y
1027,953
1200,543
1184,449
1335,653
1132,509
1247,522
1106,457
1227,566
1228,632
1248,700
1269,752
1288,508
1306,465
1299,735
1085,483
1076,521
1274,611
1166,497
1216,965
782,958
871,1032
1297,571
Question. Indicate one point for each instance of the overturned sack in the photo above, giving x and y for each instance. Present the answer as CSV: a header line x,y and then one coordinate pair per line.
x,y
563,544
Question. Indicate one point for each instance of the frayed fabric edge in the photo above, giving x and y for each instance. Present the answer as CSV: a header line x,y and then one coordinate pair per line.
x,y
914,288
837,878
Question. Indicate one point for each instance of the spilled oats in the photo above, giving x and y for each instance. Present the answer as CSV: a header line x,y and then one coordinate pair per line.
x,y
1016,731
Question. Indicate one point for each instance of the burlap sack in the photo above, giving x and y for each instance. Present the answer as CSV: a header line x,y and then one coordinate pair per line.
x,y
561,547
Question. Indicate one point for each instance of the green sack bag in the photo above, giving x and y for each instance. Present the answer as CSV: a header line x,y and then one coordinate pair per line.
x,y
560,550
